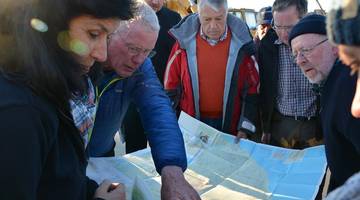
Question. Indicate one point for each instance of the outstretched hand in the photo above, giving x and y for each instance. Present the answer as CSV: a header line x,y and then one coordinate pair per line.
x,y
174,185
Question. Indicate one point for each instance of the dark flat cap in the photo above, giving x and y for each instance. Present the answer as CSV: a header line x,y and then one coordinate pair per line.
x,y
310,24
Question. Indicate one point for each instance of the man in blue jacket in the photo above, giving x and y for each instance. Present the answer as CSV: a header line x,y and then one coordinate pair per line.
x,y
133,130
130,76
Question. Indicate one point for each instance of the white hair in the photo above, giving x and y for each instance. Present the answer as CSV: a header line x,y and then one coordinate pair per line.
x,y
147,16
214,4
144,15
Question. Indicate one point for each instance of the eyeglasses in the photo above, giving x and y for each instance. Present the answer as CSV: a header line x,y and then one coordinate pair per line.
x,y
282,28
305,52
135,51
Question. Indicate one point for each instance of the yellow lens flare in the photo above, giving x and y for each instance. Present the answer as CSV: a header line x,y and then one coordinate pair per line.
x,y
78,47
39,25
63,40
72,45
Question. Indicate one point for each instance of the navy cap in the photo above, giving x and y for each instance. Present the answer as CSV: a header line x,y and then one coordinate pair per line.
x,y
310,24
264,16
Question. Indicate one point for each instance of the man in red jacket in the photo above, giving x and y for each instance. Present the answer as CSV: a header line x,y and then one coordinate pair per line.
x,y
211,72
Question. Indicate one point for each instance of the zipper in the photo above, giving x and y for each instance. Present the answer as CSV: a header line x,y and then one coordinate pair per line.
x,y
97,100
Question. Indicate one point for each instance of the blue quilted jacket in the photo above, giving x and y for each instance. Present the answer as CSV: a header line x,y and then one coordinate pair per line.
x,y
157,116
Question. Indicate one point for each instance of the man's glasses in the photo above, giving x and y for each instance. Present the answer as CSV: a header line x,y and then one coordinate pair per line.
x,y
135,51
282,28
305,52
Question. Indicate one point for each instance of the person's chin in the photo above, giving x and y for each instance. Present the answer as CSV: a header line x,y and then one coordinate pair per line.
x,y
314,79
125,74
261,36
355,109
85,69
285,41
213,35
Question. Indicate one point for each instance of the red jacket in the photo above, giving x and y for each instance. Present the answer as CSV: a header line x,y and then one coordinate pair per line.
x,y
241,82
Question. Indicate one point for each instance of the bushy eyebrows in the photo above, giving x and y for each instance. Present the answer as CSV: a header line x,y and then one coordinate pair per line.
x,y
209,17
135,46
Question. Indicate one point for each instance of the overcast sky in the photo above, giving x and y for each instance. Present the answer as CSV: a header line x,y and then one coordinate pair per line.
x,y
257,4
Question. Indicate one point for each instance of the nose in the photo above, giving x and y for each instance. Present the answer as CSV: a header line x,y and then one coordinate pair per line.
x,y
138,59
99,52
212,25
300,59
355,107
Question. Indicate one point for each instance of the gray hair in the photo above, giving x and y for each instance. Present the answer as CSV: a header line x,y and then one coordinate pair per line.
x,y
145,16
214,4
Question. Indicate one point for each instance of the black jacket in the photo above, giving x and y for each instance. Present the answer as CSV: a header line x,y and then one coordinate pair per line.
x,y
42,156
341,129
167,19
268,55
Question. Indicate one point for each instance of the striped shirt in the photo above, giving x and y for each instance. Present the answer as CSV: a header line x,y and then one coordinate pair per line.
x,y
295,95
83,110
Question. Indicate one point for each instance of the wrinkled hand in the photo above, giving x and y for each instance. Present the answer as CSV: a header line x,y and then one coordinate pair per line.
x,y
174,186
265,138
110,191
240,135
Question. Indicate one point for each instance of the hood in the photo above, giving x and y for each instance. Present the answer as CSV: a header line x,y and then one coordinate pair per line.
x,y
188,27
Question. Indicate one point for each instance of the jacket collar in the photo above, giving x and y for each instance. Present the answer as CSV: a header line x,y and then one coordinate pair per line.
x,y
188,27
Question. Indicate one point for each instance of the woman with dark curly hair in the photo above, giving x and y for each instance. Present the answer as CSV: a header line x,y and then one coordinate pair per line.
x,y
47,49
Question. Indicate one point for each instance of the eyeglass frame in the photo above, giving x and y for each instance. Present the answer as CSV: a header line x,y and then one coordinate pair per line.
x,y
285,28
305,52
134,51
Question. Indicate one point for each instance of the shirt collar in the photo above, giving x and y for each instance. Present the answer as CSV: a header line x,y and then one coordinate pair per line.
x,y
317,88
278,41
213,42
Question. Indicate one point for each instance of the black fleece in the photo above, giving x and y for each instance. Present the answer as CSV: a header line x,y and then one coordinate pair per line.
x,y
341,129
42,154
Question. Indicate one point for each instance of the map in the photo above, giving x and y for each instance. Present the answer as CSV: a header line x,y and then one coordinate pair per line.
x,y
220,169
